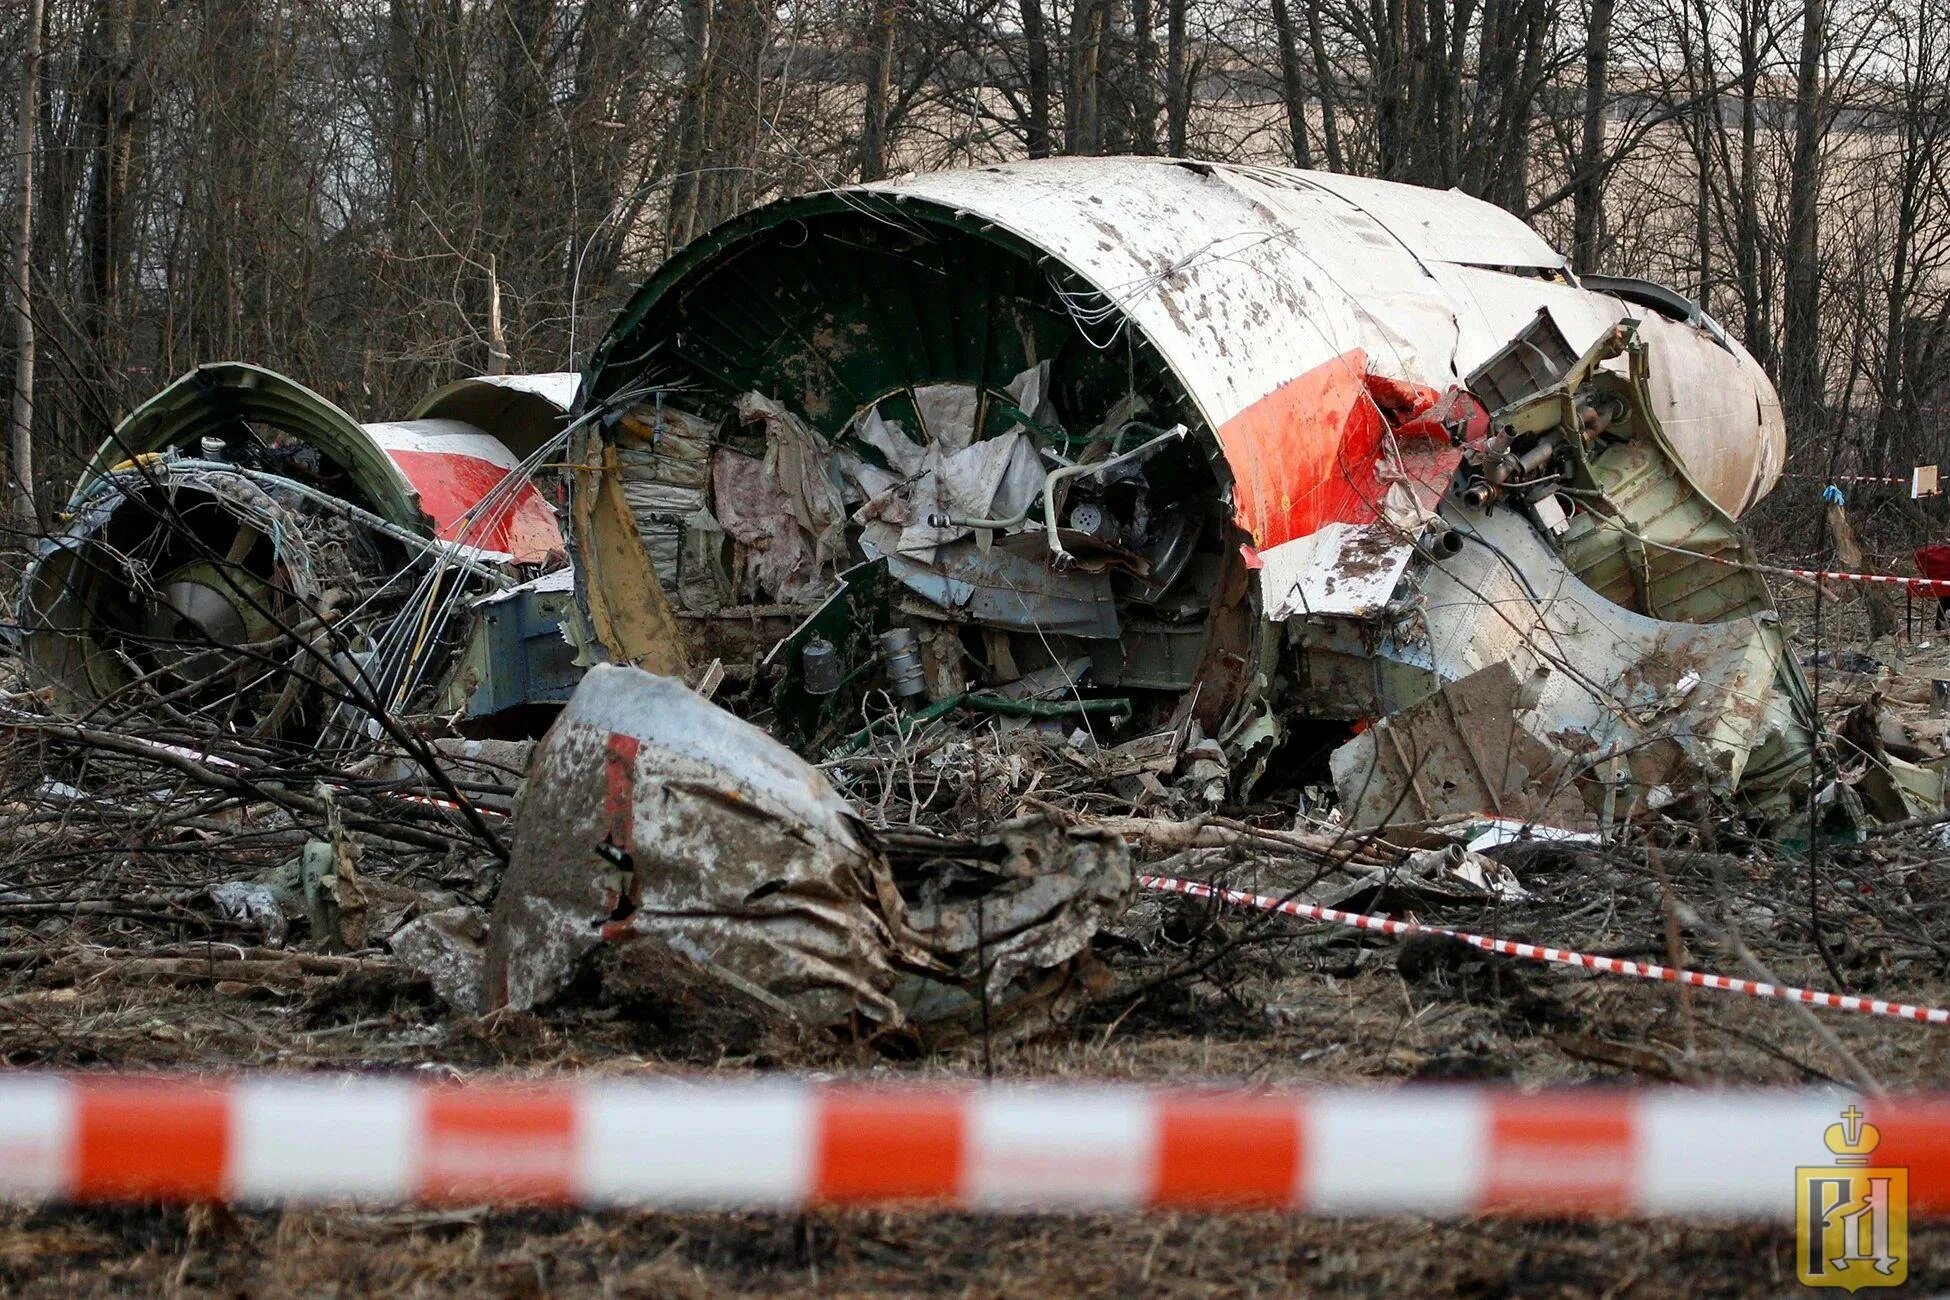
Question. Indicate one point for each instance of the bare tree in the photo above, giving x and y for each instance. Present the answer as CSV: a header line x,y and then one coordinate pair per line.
x,y
20,440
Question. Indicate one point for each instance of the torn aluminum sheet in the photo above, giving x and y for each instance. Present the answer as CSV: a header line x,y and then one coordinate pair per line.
x,y
654,822
1508,687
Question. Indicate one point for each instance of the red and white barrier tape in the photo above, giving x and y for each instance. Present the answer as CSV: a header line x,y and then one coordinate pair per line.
x,y
1560,956
1924,586
1899,480
788,1146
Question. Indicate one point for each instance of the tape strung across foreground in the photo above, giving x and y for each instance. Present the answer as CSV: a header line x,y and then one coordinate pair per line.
x,y
791,1145
1644,970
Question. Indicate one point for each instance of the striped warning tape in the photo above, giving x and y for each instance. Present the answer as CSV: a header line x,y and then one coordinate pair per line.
x,y
1560,956
1923,586
1898,480
793,1145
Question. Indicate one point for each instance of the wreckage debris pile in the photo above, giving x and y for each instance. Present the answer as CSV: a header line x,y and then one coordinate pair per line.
x,y
678,870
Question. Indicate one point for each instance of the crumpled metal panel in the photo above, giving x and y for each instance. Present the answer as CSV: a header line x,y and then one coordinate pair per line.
x,y
1346,569
651,813
1687,708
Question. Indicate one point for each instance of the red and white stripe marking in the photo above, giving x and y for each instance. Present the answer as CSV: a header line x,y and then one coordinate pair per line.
x,y
1561,956
1899,480
788,1146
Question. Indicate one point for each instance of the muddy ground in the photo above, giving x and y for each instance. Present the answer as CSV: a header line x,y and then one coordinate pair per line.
x,y
1202,995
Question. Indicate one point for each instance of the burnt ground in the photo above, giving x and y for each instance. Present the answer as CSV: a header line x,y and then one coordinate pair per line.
x,y
110,980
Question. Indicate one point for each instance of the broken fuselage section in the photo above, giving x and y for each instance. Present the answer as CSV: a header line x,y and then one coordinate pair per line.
x,y
1250,449
243,549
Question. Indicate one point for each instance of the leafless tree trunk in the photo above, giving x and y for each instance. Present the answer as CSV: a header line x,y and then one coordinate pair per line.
x,y
1801,360
20,440
1178,89
1330,132
1144,77
107,232
695,109
1035,39
1587,220
882,18
1082,116
1292,87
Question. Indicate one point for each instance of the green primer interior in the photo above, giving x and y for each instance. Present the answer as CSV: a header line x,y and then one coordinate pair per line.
x,y
831,304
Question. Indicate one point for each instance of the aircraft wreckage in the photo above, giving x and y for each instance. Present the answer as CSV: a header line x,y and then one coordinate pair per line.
x,y
244,549
1322,466
1343,474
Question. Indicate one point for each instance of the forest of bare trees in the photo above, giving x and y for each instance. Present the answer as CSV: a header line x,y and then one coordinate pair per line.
x,y
342,188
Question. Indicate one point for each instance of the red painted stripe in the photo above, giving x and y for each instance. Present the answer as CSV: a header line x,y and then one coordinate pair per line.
x,y
138,1141
1303,455
875,1145
1217,1152
619,788
1552,1155
497,1144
